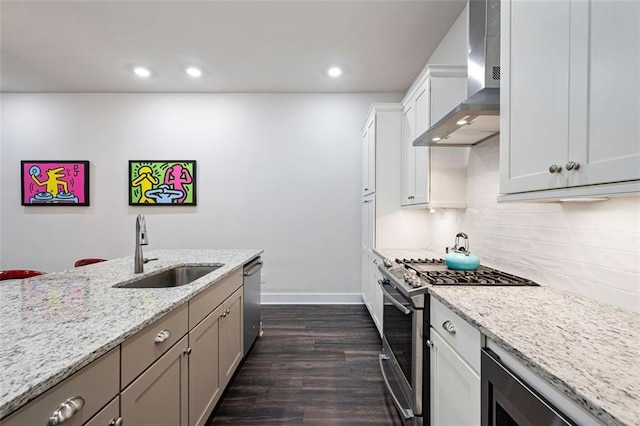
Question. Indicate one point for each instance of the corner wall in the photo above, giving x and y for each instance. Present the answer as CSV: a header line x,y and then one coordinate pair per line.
x,y
275,171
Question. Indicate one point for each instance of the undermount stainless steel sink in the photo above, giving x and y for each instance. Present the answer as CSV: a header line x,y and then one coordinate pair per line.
x,y
174,277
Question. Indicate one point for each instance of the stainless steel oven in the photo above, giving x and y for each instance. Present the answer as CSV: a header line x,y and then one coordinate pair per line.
x,y
402,358
405,325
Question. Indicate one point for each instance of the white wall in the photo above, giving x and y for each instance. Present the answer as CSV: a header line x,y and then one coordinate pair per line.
x,y
453,48
275,171
592,249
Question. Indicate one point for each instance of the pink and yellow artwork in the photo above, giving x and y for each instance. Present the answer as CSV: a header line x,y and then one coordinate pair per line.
x,y
55,183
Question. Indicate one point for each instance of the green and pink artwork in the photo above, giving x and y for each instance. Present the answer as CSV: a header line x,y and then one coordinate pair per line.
x,y
162,183
54,183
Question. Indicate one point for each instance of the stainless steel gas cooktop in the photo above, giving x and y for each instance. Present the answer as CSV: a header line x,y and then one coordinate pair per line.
x,y
435,272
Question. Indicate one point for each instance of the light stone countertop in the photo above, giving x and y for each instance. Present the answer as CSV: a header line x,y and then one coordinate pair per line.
x,y
53,325
589,351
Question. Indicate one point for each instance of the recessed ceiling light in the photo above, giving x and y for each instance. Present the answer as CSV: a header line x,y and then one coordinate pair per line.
x,y
334,72
436,139
461,122
142,72
194,72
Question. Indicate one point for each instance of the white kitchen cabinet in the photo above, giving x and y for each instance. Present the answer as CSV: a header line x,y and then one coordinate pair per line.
x,y
433,176
455,387
371,292
455,368
570,98
380,207
369,157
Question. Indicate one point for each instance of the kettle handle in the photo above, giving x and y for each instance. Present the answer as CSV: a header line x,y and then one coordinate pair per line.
x,y
466,243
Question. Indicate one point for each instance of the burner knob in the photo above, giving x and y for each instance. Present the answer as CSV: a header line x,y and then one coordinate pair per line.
x,y
387,263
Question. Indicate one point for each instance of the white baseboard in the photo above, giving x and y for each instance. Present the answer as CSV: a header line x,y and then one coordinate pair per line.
x,y
311,299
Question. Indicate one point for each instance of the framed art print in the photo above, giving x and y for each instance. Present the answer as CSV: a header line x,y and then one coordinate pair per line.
x,y
162,183
54,183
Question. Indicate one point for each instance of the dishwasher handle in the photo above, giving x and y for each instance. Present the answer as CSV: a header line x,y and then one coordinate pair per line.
x,y
253,268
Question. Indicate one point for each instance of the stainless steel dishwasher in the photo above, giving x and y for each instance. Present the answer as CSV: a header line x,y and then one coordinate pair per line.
x,y
252,324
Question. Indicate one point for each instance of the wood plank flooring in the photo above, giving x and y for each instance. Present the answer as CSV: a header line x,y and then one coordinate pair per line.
x,y
314,365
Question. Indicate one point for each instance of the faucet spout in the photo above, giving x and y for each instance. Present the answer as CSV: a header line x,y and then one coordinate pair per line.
x,y
141,240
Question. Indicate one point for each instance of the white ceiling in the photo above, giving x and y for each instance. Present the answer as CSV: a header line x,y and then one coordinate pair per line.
x,y
244,46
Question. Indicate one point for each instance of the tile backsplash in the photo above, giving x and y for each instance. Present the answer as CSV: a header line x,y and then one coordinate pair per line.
x,y
592,249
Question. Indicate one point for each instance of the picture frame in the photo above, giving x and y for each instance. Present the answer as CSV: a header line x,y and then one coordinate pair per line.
x,y
162,183
54,183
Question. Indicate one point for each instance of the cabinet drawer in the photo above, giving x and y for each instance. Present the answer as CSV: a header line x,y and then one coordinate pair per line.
x,y
96,384
141,350
203,304
458,333
108,415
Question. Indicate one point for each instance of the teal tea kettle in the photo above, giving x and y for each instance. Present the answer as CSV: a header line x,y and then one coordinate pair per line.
x,y
460,258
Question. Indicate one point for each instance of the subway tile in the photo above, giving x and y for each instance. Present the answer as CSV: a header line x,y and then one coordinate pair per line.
x,y
613,278
617,259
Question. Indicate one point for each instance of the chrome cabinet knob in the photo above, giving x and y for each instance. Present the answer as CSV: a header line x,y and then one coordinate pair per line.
x,y
571,165
449,326
116,422
66,410
429,343
554,168
224,314
187,351
162,336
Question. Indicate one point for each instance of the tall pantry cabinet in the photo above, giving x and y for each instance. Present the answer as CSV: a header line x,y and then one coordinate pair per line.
x,y
381,196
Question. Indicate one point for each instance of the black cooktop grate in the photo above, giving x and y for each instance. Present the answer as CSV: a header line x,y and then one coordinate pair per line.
x,y
435,272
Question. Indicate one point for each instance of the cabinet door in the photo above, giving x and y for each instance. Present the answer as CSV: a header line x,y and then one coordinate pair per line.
x,y
108,416
421,153
369,159
605,92
455,387
534,94
364,281
204,377
377,297
160,395
408,155
368,222
231,337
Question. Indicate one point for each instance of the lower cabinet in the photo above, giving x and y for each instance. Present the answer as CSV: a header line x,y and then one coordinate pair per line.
x,y
371,292
159,395
455,368
216,352
455,387
172,372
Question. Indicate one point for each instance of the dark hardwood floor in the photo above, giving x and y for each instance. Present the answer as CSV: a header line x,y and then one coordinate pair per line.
x,y
314,365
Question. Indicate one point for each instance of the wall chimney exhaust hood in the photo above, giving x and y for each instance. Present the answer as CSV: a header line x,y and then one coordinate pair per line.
x,y
478,117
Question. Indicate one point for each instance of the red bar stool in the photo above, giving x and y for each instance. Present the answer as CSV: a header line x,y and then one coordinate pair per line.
x,y
18,274
89,261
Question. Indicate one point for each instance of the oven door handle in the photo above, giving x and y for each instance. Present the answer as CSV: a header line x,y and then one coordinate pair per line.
x,y
393,300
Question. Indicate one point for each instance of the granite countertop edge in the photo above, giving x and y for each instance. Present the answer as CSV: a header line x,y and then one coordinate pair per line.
x,y
18,399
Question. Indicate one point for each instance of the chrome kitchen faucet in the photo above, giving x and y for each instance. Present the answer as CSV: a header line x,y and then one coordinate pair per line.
x,y
141,240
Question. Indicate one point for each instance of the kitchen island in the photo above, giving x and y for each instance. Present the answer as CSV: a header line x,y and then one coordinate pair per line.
x,y
55,324
587,351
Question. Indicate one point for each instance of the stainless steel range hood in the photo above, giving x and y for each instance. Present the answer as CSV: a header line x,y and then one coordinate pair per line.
x,y
478,117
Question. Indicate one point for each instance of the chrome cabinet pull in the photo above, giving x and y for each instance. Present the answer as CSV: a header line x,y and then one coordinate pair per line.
x,y
429,343
116,422
572,165
162,336
554,168
449,326
411,197
66,410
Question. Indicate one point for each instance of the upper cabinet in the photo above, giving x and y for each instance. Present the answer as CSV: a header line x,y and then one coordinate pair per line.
x,y
433,176
369,157
570,98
